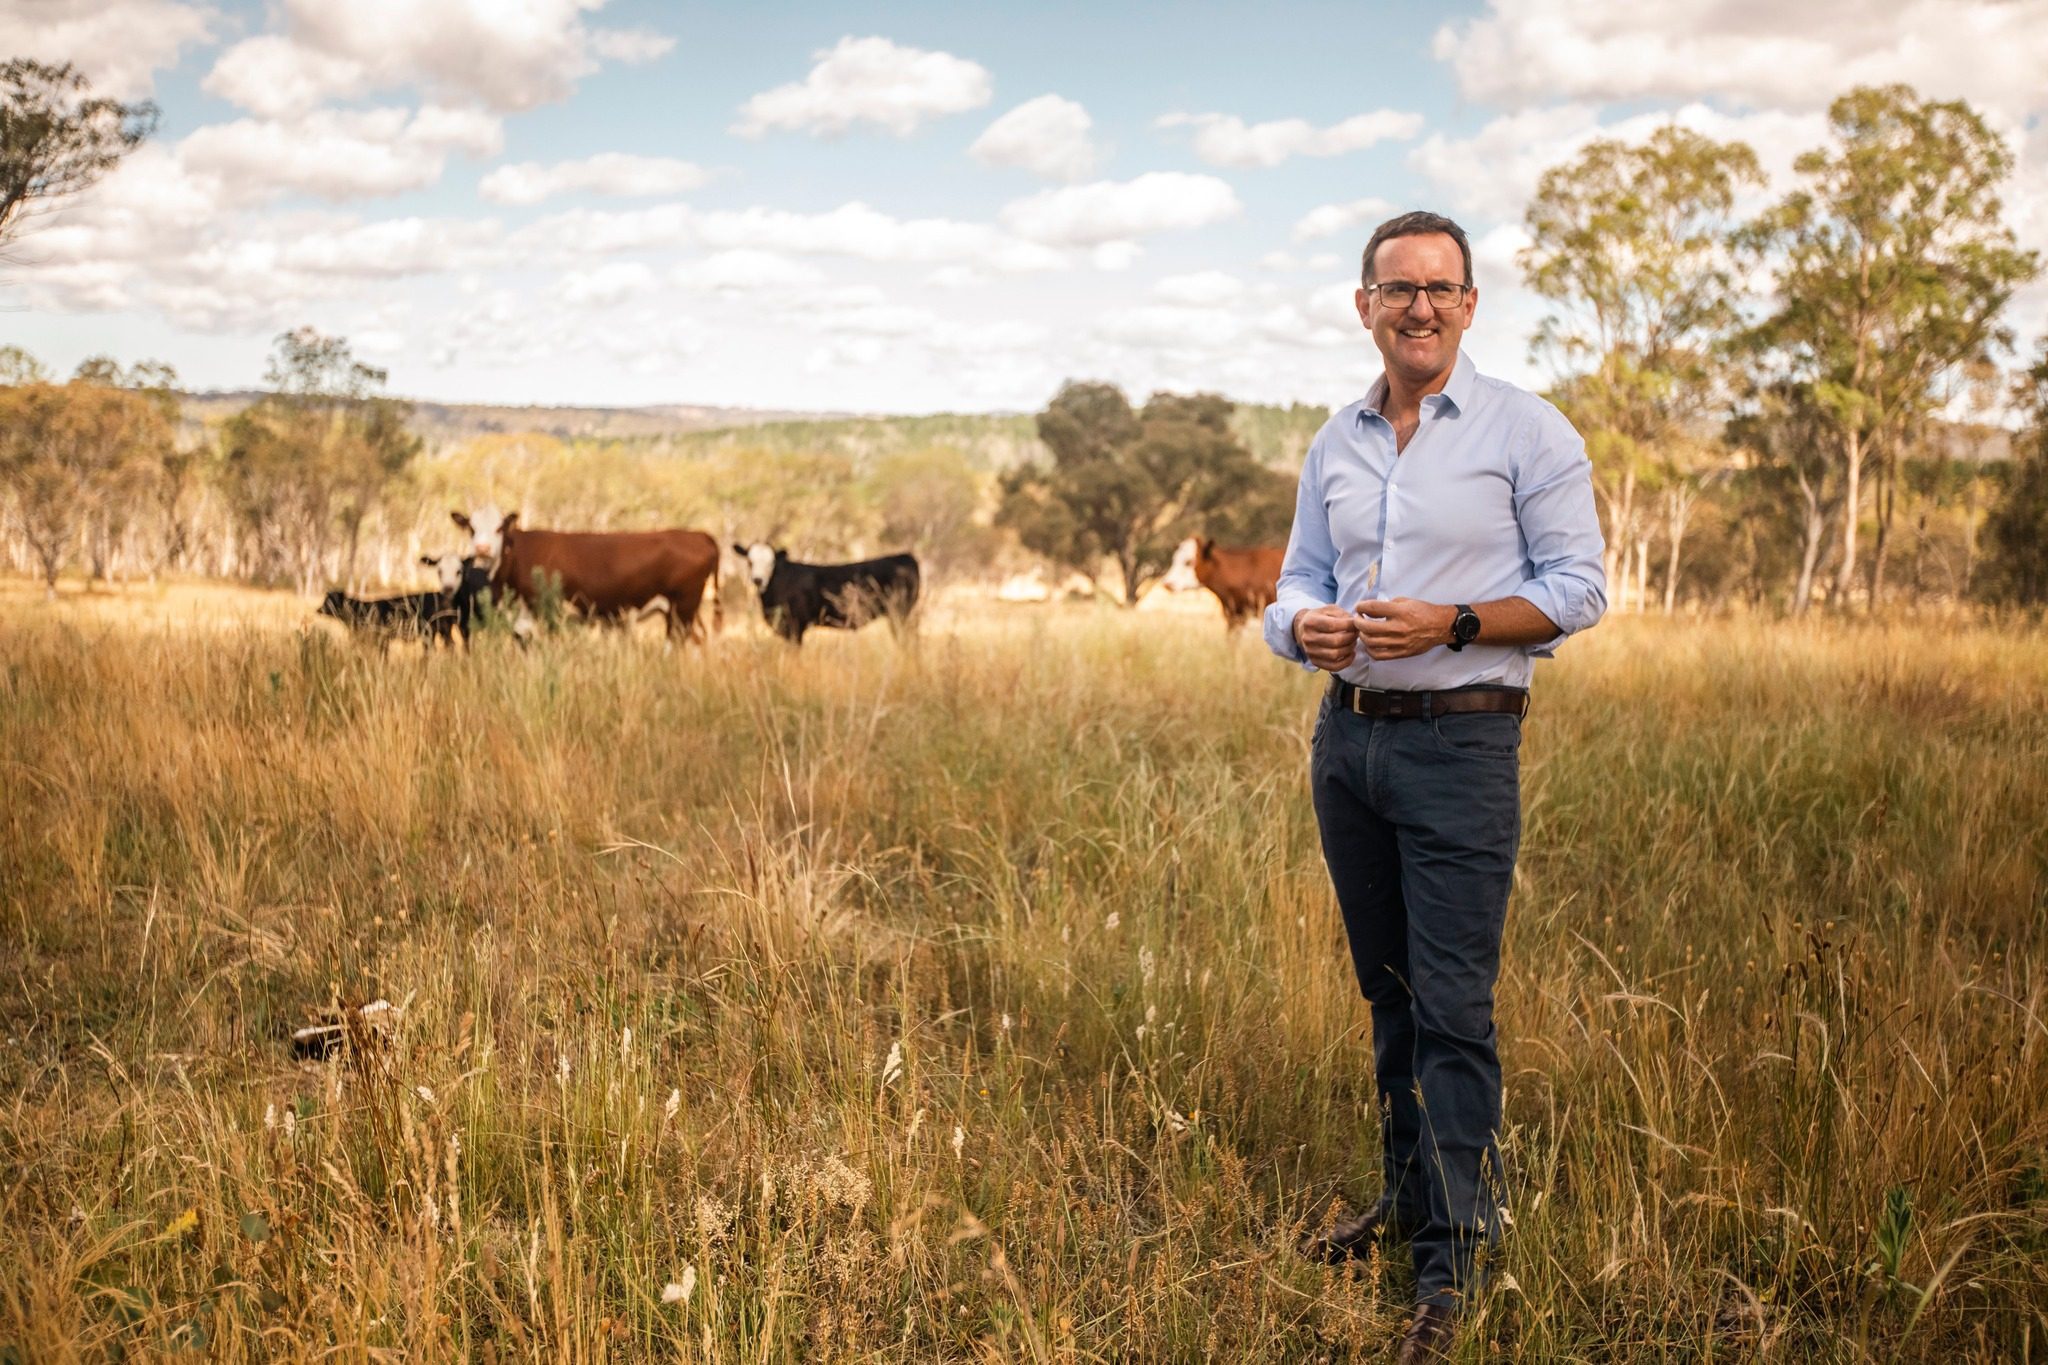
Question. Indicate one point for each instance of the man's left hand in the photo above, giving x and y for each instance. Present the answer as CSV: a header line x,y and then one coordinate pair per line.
x,y
1403,627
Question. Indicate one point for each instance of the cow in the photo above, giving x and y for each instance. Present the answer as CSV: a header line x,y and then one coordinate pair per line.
x,y
1245,580
422,615
607,576
465,586
796,597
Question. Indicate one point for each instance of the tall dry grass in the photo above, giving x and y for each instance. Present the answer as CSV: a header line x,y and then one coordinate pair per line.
x,y
985,999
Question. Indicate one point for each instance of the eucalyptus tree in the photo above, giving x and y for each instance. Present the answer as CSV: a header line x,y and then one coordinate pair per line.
x,y
1893,266
56,138
1632,244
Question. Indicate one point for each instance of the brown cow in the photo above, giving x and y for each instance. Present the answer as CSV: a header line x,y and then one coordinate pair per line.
x,y
1244,580
605,575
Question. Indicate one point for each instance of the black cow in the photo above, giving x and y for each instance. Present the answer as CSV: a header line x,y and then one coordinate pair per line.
x,y
465,587
425,616
795,597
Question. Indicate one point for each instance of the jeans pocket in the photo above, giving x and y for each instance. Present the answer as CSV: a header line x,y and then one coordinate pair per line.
x,y
1480,734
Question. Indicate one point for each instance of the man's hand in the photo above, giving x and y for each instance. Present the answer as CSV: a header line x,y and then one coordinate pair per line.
x,y
1328,636
1403,627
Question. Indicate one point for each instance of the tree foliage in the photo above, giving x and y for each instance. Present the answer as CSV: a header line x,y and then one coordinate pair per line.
x,y
2016,532
73,458
1894,266
1129,485
55,139
311,459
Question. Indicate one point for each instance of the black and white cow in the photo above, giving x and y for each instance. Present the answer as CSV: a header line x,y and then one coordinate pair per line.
x,y
796,597
465,587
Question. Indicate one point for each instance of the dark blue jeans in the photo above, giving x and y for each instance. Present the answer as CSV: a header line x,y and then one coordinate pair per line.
x,y
1420,823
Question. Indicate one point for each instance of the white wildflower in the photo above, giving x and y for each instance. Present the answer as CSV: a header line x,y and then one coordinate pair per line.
x,y
1006,1021
270,1116
892,1067
291,1123
959,1140
675,1102
1113,921
1176,1120
425,1092
680,1291
714,1216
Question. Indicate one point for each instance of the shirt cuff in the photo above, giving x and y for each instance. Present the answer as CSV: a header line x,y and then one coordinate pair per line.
x,y
1544,598
1279,628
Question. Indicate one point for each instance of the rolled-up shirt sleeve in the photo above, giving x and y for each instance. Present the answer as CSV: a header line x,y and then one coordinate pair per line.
x,y
1554,505
1308,575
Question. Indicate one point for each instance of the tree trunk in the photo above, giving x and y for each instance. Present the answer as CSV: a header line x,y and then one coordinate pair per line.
x,y
1678,512
1852,506
1809,551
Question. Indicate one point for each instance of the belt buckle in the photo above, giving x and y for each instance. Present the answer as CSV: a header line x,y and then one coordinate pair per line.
x,y
1357,697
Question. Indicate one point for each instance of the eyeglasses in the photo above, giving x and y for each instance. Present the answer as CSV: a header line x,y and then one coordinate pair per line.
x,y
1399,294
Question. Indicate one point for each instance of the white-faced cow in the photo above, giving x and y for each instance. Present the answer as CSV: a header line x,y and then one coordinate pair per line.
x,y
465,588
606,576
1244,580
796,597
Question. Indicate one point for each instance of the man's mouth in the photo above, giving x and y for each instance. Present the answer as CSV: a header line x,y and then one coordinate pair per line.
x,y
1418,331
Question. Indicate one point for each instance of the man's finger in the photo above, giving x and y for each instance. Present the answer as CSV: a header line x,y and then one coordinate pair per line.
x,y
1378,607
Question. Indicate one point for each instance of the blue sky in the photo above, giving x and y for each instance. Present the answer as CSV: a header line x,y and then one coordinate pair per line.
x,y
834,207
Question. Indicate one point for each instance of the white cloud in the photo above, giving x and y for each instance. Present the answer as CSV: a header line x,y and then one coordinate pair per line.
x,y
1226,140
602,286
744,270
119,45
1047,136
1788,56
1110,210
1201,288
392,248
1287,262
857,230
1331,219
505,54
338,154
869,80
599,232
1494,172
609,173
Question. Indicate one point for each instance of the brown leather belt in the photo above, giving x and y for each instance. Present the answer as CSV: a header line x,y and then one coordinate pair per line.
x,y
1366,701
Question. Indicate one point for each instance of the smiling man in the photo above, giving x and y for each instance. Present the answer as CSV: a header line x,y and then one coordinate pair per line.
x,y
1444,539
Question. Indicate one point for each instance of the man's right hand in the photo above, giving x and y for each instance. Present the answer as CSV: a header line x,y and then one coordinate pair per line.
x,y
1328,636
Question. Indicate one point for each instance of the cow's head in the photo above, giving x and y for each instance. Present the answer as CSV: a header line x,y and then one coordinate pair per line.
x,y
486,530
761,559
448,568
1181,576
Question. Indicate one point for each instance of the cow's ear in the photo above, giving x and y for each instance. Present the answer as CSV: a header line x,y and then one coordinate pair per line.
x,y
510,523
462,521
1207,545
431,561
739,550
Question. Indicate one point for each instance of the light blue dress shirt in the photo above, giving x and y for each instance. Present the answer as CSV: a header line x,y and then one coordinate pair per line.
x,y
1492,498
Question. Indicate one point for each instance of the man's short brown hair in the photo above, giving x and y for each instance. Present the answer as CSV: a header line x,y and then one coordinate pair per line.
x,y
1419,223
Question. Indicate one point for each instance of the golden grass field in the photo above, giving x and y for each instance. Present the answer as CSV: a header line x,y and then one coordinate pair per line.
x,y
984,998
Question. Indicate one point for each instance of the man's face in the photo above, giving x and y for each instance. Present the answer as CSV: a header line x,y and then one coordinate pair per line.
x,y
1419,342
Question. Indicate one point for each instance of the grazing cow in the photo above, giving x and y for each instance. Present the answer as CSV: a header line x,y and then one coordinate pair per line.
x,y
422,615
795,597
604,575
465,586
1244,580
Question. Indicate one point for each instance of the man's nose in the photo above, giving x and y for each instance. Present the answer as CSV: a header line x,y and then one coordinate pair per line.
x,y
1421,304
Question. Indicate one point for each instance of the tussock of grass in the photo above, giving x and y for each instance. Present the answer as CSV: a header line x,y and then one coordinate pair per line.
x,y
985,999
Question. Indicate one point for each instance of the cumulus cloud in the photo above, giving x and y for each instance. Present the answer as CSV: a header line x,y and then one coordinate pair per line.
x,y
868,80
119,45
1047,136
1331,219
858,230
601,232
1493,172
338,154
617,174
1199,288
1112,210
1226,140
1287,262
602,286
506,56
1792,57
744,270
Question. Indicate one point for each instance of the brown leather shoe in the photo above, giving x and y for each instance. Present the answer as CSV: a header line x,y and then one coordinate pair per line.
x,y
1356,1237
1429,1336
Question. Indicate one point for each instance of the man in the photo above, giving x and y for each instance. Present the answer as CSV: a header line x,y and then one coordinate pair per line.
x,y
1444,539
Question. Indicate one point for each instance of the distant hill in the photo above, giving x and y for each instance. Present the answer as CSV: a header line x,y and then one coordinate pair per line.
x,y
446,423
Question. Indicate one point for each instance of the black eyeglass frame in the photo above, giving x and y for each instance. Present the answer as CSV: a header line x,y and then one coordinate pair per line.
x,y
1418,290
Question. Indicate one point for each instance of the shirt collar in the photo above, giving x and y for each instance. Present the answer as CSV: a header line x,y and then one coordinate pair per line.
x,y
1457,390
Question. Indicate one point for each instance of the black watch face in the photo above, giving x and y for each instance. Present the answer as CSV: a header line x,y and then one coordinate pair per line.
x,y
1466,627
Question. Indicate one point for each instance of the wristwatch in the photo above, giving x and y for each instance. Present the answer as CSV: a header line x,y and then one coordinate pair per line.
x,y
1464,627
